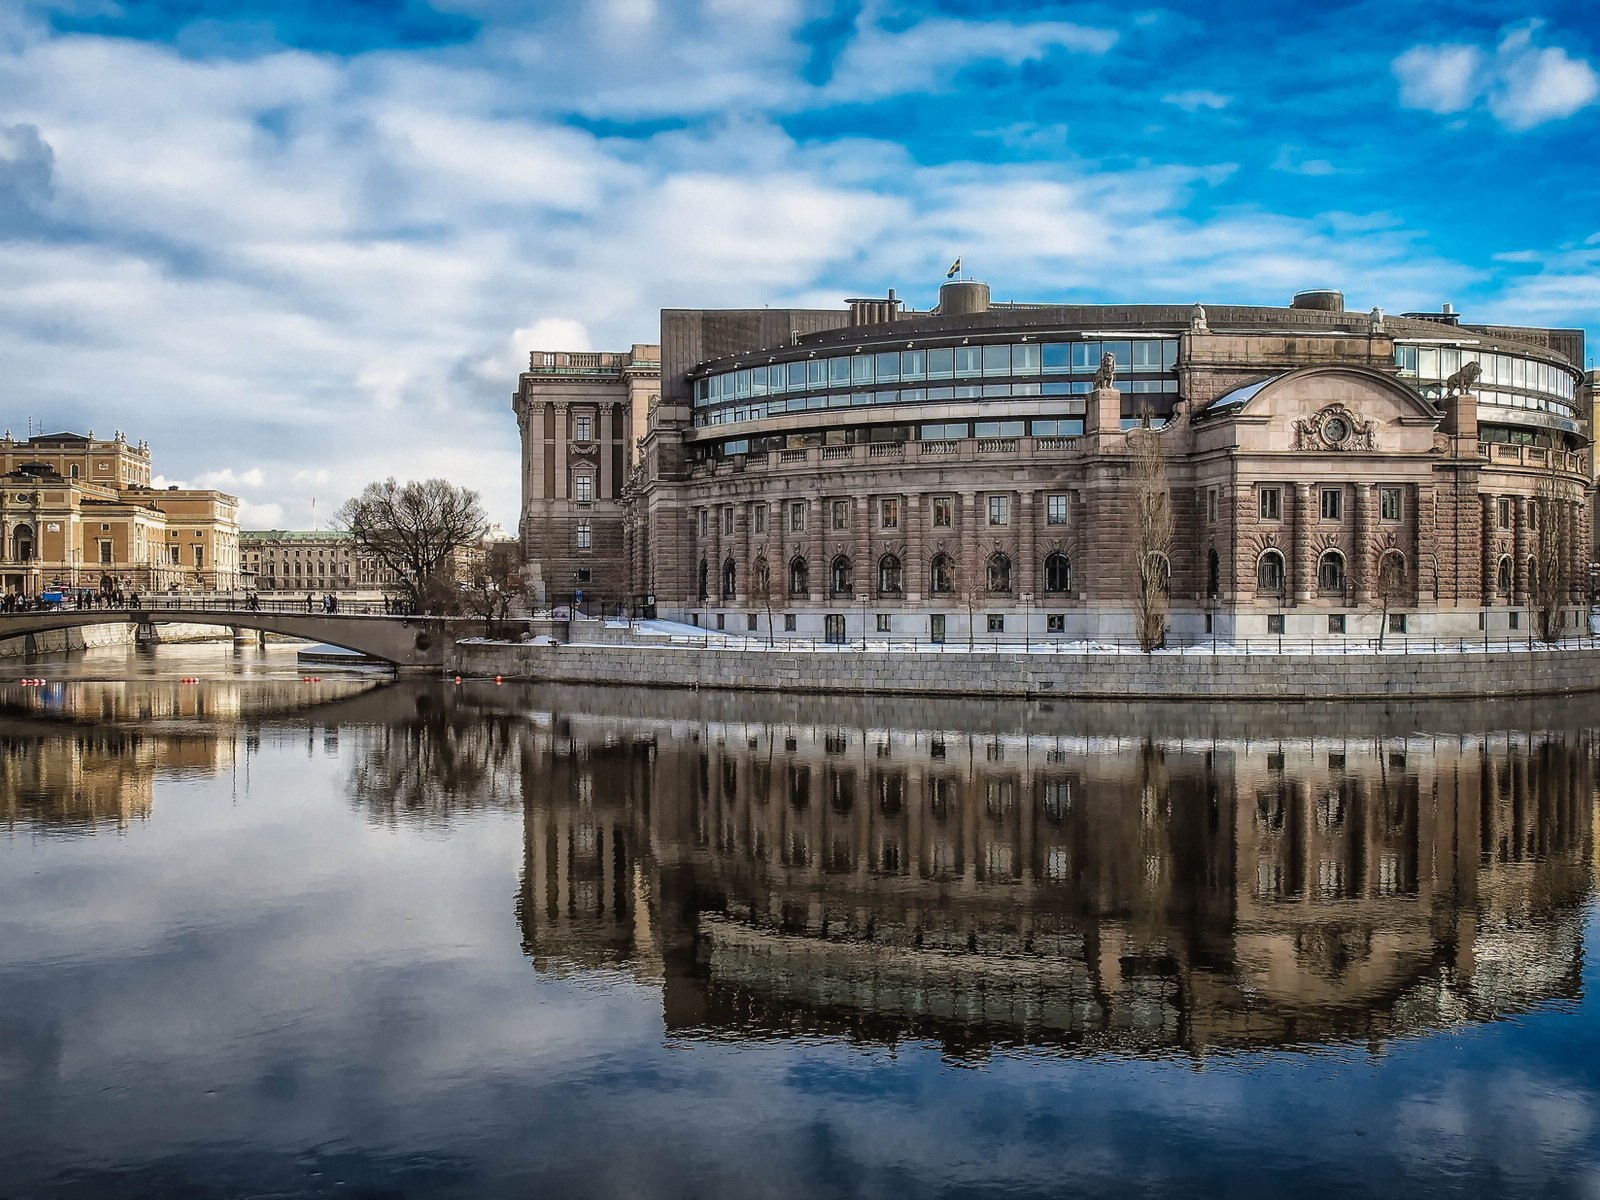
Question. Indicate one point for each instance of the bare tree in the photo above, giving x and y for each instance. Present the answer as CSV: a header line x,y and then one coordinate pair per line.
x,y
1551,585
415,530
761,589
969,583
495,579
1391,589
1151,543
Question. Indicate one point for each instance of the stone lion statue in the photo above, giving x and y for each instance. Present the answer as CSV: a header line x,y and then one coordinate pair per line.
x,y
1463,379
1106,376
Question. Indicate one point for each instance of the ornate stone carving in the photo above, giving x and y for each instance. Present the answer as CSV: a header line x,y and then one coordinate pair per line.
x,y
1333,428
1106,376
1375,321
1197,319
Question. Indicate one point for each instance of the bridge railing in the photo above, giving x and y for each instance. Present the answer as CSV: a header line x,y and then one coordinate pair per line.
x,y
93,602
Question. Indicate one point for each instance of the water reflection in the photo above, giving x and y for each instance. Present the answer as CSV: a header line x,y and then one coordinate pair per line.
x,y
1083,892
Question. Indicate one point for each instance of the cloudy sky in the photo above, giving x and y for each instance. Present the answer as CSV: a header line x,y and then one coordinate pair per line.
x,y
297,251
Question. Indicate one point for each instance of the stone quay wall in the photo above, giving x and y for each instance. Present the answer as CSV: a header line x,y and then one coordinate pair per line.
x,y
1385,676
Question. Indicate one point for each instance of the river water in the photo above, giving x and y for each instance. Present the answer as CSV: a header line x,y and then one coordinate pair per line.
x,y
268,937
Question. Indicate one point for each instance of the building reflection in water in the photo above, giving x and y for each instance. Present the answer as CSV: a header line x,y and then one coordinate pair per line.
x,y
1092,893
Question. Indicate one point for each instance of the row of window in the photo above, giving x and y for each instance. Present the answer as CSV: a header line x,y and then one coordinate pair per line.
x,y
1391,503
889,512
1437,363
943,576
943,431
1331,576
1159,393
944,362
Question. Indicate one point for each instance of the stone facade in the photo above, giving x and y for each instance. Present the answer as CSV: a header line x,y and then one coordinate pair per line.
x,y
967,472
319,561
579,416
76,512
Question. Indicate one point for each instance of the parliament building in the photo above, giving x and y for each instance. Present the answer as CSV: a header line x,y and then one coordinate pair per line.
x,y
968,471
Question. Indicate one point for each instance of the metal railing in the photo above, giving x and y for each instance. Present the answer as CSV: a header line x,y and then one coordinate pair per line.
x,y
211,604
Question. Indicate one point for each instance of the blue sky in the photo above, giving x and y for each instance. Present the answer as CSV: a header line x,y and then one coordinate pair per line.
x,y
300,245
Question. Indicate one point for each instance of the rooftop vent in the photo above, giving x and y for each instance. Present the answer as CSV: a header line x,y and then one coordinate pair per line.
x,y
1319,300
1447,315
871,310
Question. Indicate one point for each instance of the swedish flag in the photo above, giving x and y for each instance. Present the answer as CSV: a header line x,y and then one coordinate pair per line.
x,y
955,269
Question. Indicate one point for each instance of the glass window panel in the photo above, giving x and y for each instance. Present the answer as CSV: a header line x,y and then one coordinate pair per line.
x,y
946,432
941,393
1449,362
969,360
1025,358
913,364
1085,356
1057,387
797,404
888,367
797,376
941,363
816,402
838,372
758,381
913,395
1169,354
1057,357
1147,356
741,384
817,373
970,391
839,400
1082,387
997,360
1024,389
996,391
861,369
1428,362
1519,373
1122,352
993,429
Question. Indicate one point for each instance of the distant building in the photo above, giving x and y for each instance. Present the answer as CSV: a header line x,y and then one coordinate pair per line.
x,y
580,417
77,512
302,560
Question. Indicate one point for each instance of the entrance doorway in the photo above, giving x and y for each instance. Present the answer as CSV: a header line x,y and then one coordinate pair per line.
x,y
833,629
936,629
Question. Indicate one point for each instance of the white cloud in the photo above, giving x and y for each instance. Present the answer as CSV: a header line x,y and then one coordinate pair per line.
x,y
1523,84
1194,101
1441,79
228,479
878,62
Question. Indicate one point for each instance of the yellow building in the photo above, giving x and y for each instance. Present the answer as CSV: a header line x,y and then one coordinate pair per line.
x,y
76,512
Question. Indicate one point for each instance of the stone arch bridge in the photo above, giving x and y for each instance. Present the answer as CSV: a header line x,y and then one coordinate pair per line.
x,y
403,641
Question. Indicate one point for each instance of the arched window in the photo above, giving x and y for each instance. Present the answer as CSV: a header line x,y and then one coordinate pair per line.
x,y
942,578
889,576
22,543
999,573
1330,572
1269,573
841,580
799,578
1057,573
730,580
1213,574
705,579
1502,576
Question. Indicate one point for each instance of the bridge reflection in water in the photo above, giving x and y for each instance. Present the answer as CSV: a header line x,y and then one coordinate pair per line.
x,y
1079,893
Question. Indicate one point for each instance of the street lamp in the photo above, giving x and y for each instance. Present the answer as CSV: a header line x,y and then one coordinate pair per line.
x,y
863,598
1027,620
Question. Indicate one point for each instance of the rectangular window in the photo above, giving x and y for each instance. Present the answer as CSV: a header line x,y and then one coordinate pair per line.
x,y
750,622
883,622
722,621
1390,505
1335,622
105,552
797,518
583,488
761,518
891,514
788,622
841,514
941,512
1397,622
1332,504
1211,505
727,520
936,628
1271,504
1055,623
1516,620
584,429
702,522
997,623
585,535
1505,512
999,510
1275,623
1055,509
833,629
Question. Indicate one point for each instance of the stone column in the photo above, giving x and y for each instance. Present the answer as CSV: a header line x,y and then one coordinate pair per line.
x,y
563,440
1519,550
916,569
1487,558
1363,565
1305,568
970,571
743,520
1028,577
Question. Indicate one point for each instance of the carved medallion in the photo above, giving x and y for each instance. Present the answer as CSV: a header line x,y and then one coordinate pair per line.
x,y
1334,428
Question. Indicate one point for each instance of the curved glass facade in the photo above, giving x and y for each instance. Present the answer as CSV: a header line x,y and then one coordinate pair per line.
x,y
1508,381
1146,367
